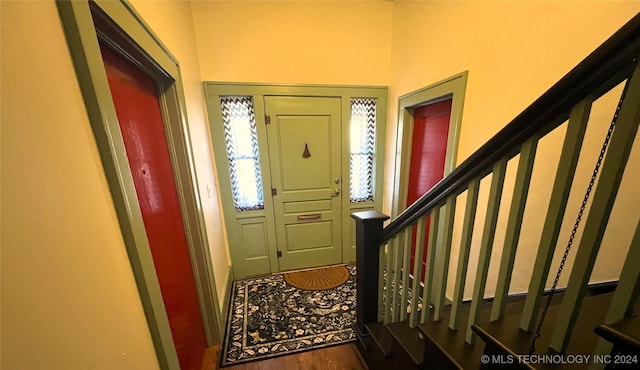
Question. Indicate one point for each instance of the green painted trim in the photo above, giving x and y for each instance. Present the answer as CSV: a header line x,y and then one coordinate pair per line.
x,y
84,22
83,44
514,225
432,247
626,294
397,271
454,87
378,167
226,302
213,92
602,202
444,250
465,249
231,216
245,89
392,257
417,264
576,128
382,262
486,245
181,151
347,239
406,261
132,25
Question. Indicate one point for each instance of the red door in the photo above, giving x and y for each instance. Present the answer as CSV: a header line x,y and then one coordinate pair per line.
x,y
136,101
428,153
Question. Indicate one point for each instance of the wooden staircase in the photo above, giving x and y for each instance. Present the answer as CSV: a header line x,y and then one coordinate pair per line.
x,y
428,346
599,323
624,335
434,345
507,344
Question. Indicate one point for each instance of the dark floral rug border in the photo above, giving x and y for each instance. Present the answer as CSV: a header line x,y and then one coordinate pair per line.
x,y
269,318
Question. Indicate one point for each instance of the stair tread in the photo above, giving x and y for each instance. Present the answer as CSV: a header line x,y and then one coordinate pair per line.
x,y
381,336
452,342
409,339
624,333
507,334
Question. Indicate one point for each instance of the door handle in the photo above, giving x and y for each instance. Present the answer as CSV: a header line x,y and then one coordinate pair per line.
x,y
315,216
336,192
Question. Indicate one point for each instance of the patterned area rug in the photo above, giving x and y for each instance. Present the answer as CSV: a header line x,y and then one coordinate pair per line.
x,y
269,317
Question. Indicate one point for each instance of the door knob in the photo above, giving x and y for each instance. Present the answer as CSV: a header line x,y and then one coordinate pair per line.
x,y
336,192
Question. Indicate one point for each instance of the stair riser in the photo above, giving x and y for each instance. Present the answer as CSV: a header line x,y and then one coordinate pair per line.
x,y
436,360
374,357
401,359
498,359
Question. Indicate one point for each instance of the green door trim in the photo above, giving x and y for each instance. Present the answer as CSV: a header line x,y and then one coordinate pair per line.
x,y
213,92
452,87
120,26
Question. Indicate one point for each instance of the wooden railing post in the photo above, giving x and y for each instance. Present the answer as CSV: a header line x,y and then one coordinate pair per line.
x,y
368,239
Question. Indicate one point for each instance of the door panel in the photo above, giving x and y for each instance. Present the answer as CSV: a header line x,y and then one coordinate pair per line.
x,y
254,237
307,236
318,205
136,101
428,154
304,155
294,133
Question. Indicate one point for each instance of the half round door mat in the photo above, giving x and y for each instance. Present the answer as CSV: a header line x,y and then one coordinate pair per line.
x,y
318,279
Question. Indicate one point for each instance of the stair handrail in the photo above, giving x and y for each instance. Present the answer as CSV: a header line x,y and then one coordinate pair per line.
x,y
604,68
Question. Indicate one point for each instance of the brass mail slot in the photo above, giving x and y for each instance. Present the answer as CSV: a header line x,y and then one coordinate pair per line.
x,y
315,216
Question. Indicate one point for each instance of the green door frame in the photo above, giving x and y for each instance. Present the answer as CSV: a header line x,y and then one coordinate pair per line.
x,y
117,24
453,87
261,223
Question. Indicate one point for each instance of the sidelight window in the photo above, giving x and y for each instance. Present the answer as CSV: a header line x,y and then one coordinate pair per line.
x,y
241,141
362,133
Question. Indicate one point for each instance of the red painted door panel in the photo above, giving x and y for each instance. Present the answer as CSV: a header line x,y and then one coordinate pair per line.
x,y
136,102
428,153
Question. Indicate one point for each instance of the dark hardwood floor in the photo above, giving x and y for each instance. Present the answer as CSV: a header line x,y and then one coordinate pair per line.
x,y
342,357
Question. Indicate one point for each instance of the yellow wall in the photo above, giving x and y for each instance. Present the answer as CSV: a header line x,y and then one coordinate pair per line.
x,y
172,23
316,42
69,300
514,51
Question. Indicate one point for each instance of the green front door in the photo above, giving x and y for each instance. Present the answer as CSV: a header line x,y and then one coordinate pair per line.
x,y
304,155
